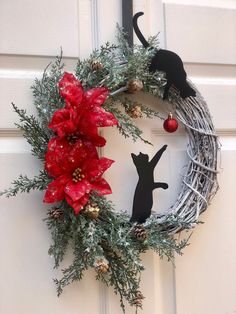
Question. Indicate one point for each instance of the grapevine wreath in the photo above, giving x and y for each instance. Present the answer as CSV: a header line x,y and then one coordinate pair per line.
x,y
65,137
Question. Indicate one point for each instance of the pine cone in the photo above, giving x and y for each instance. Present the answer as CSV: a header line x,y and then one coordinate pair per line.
x,y
56,213
96,65
140,233
101,265
137,301
92,210
134,86
135,112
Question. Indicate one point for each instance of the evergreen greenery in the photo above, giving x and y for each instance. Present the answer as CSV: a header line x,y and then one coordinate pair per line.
x,y
111,236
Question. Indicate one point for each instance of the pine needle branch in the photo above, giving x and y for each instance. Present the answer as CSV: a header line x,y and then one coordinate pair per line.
x,y
126,126
24,184
33,132
46,93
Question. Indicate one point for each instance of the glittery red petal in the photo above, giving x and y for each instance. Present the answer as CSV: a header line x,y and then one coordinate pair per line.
x,y
102,118
101,187
77,205
96,167
55,190
90,131
95,96
77,190
71,90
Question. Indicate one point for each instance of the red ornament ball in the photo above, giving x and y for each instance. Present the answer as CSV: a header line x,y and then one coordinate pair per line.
x,y
170,124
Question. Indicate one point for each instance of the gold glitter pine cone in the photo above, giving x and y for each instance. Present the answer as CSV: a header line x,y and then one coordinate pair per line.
x,y
92,210
101,265
96,65
135,112
134,86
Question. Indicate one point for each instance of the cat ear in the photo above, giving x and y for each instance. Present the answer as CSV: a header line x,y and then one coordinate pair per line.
x,y
143,157
134,157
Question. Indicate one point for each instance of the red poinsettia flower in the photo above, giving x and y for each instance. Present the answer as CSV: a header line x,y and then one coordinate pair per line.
x,y
62,155
85,120
76,125
77,172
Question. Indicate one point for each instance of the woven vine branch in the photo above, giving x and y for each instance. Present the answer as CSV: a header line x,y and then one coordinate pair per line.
x,y
199,182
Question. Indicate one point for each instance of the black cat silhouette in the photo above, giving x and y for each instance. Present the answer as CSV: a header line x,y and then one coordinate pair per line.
x,y
168,62
143,199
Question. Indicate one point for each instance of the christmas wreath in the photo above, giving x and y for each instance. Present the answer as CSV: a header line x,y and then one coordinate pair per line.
x,y
65,137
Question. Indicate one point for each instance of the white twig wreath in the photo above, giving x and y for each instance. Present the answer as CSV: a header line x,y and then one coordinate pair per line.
x,y
66,132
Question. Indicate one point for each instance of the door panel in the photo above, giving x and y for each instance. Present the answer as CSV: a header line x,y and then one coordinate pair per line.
x,y
201,34
39,27
205,274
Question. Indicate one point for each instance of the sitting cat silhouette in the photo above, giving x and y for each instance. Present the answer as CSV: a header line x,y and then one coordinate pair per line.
x,y
143,199
168,62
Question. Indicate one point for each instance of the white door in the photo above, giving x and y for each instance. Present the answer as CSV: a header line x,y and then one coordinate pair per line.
x,y
203,33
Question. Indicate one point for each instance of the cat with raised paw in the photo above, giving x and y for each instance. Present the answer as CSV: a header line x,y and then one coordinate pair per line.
x,y
143,198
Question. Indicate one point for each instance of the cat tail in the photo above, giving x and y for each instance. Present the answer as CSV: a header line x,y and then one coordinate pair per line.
x,y
137,30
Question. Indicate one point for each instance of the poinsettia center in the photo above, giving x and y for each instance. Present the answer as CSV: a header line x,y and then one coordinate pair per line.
x,y
77,175
72,138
